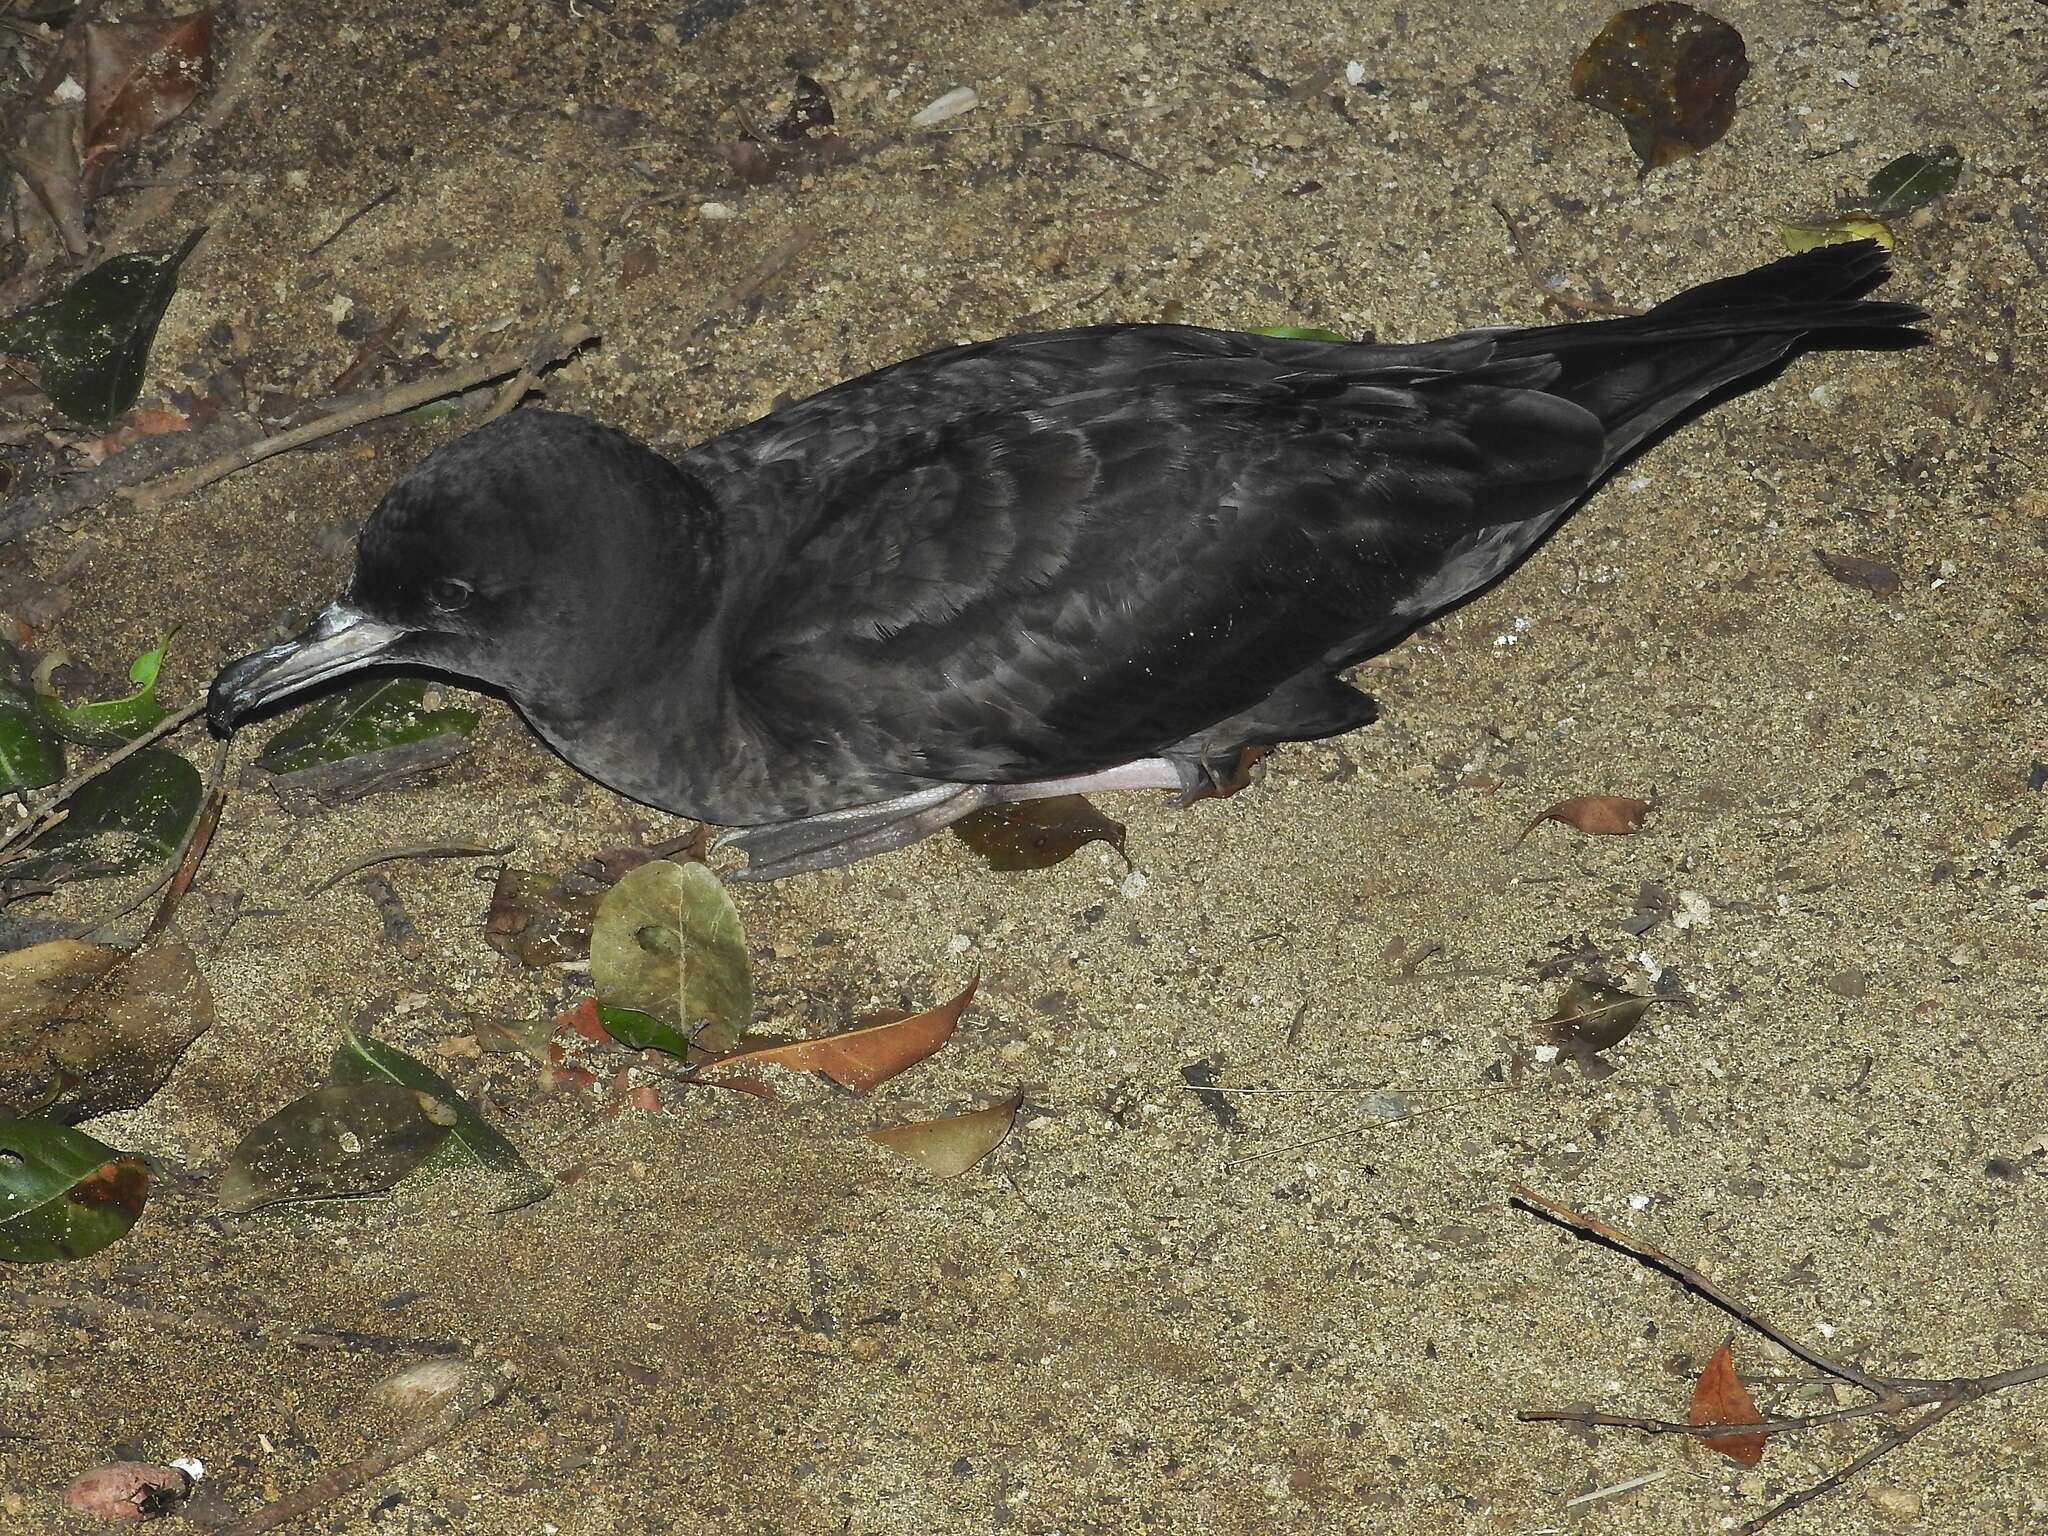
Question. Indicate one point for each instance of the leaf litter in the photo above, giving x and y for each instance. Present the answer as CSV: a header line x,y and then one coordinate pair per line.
x,y
1719,1397
862,1059
1596,815
948,1147
1037,834
64,1195
1668,74
667,942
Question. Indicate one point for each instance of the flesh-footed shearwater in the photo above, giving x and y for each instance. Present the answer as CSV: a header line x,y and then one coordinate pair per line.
x,y
1104,558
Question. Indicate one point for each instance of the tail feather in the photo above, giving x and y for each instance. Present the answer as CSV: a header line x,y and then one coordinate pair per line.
x,y
1639,373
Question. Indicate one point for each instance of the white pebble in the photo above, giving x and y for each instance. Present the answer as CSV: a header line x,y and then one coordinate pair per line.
x,y
1354,73
420,1388
1132,885
717,213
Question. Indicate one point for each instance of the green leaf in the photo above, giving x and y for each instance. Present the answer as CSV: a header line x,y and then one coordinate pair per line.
x,y
105,722
1595,1015
667,942
1914,181
642,1031
471,1143
92,341
373,715
131,817
31,757
1297,333
1851,227
342,1142
62,1194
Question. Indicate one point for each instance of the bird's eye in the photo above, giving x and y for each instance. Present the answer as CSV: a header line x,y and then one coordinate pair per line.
x,y
448,594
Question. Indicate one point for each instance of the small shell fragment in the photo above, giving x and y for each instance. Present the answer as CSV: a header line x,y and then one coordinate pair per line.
x,y
418,1389
956,102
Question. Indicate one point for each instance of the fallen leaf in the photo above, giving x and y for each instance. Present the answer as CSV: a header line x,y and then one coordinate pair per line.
x,y
1915,180
31,757
125,1491
862,1059
540,919
1719,1397
1037,834
1599,815
470,1143
1873,576
1595,1015
809,112
1847,230
949,1147
140,75
139,423
104,722
667,942
47,157
373,716
1668,74
63,1195
800,144
642,1031
92,341
132,816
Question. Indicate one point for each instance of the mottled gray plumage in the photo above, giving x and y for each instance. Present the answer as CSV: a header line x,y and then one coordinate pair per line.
x,y
1023,561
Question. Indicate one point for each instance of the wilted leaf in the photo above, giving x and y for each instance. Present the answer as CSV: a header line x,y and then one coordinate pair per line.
x,y
30,754
1037,834
1298,333
132,816
1719,1397
370,717
105,722
470,1142
46,154
1595,1015
863,1059
1872,576
86,1029
643,1031
1600,815
139,75
62,1194
667,942
540,919
1913,181
949,1147
1668,74
92,341
344,1141
1846,230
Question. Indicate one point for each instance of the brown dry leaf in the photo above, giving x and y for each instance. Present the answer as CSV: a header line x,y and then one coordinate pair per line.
x,y
1872,576
1600,815
46,155
863,1059
1595,1015
136,425
539,919
950,1146
1668,74
1719,1397
1038,833
86,1029
139,75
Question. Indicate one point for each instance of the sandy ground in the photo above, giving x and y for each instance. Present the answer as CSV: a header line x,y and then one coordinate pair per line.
x,y
1133,1317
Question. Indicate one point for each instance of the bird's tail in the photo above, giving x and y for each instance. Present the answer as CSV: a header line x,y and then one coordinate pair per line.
x,y
1639,373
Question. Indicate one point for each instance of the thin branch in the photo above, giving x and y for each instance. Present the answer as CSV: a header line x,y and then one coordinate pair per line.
x,y
1841,1475
349,223
389,402
45,811
421,851
1554,297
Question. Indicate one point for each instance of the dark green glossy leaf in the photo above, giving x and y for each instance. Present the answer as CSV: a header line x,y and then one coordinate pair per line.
x,y
31,757
471,1143
105,722
1914,181
667,942
1668,74
130,818
643,1031
1298,333
92,341
373,715
1595,1015
342,1142
1038,833
62,1194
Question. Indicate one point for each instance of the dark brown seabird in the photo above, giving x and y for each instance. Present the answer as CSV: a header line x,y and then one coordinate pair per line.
x,y
1107,558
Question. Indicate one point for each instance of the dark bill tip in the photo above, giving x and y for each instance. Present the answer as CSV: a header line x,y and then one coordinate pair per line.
x,y
340,640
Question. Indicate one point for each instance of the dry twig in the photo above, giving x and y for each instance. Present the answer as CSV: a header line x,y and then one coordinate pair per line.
x,y
1555,297
1892,1397
421,851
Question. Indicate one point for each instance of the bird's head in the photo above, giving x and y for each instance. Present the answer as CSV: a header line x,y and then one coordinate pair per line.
x,y
527,555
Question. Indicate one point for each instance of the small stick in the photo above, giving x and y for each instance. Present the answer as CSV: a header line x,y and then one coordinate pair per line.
x,y
183,866
40,819
423,851
1559,298
511,392
482,1391
349,223
390,402
398,926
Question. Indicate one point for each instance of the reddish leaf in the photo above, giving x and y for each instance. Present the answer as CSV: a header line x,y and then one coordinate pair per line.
x,y
1600,815
1668,74
1719,1397
862,1059
139,76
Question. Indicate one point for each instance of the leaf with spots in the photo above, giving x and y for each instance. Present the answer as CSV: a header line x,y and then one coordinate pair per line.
x,y
63,1195
1668,74
373,716
1914,181
667,942
1037,834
